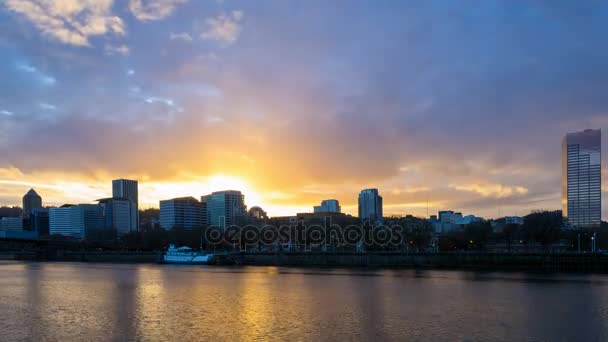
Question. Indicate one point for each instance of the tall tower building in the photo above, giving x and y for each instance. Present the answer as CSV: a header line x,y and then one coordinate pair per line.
x,y
127,189
370,206
225,208
582,178
31,201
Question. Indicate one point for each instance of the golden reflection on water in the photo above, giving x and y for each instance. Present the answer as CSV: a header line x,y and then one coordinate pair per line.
x,y
256,304
151,303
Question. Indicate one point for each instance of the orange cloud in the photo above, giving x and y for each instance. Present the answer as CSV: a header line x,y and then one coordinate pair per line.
x,y
491,190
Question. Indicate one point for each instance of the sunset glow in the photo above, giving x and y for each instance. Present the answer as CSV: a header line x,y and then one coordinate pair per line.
x,y
189,97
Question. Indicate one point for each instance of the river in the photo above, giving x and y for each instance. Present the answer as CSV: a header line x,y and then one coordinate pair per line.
x,y
116,302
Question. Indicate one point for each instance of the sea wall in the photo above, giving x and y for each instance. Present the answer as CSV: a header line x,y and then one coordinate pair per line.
x,y
498,261
108,256
555,262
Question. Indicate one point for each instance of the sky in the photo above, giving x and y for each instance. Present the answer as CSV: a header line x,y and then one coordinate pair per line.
x,y
439,104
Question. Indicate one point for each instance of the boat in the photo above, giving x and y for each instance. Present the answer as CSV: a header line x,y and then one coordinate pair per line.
x,y
186,255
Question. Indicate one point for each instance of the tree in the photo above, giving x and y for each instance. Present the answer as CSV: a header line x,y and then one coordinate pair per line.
x,y
478,234
543,226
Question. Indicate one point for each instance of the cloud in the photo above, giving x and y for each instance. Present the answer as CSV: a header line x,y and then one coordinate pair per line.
x,y
48,80
26,67
42,78
181,36
224,28
491,190
6,112
146,10
120,49
70,21
47,106
154,99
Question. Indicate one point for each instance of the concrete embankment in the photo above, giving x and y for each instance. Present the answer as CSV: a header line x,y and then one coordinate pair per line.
x,y
17,255
83,256
570,262
114,257
554,262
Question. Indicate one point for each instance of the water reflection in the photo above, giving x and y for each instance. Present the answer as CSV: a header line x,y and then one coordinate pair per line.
x,y
256,305
91,302
151,302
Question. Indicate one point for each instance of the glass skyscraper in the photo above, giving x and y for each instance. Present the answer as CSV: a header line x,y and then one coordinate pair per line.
x,y
370,206
582,178
225,208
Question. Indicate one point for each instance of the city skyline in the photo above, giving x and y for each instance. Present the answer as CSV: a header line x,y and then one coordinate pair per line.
x,y
293,104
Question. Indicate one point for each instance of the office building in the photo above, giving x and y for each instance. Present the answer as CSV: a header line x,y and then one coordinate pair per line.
x,y
76,220
328,206
225,208
128,189
370,206
184,212
582,178
39,221
31,201
117,214
448,221
11,223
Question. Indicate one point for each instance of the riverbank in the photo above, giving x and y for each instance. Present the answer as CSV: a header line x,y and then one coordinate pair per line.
x,y
562,262
553,262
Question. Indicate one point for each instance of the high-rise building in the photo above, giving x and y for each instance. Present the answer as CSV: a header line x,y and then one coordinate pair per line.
x,y
370,206
117,214
127,189
582,178
328,206
76,220
184,212
31,201
39,220
225,208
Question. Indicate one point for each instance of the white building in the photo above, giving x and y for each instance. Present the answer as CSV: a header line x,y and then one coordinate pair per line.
x,y
74,221
184,212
